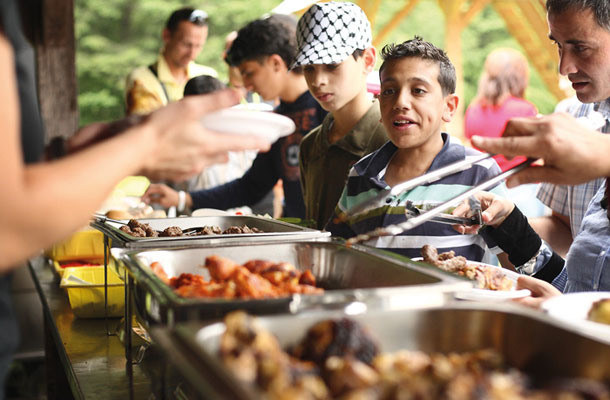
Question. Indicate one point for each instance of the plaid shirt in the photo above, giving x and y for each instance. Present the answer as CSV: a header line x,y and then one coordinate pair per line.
x,y
578,198
573,200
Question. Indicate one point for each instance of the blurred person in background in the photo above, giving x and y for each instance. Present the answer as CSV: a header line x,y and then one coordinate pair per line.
x,y
39,207
237,163
263,51
148,88
500,97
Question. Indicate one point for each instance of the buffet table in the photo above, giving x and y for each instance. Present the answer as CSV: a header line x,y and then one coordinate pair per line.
x,y
82,361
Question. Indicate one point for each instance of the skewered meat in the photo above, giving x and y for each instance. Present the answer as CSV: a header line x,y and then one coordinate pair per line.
x,y
171,231
139,229
486,277
257,279
254,355
330,338
257,358
241,229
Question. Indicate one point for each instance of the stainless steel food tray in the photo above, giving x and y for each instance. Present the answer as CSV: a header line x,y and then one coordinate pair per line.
x,y
273,230
528,340
348,274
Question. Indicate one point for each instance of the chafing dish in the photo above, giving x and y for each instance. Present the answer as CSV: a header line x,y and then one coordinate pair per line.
x,y
273,230
527,339
347,273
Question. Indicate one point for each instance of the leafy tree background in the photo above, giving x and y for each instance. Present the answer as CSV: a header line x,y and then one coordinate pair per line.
x,y
115,36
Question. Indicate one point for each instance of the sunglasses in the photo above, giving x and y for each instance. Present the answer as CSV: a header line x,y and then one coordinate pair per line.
x,y
199,17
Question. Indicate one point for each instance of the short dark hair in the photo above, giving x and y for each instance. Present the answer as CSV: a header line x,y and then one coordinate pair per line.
x,y
203,84
417,47
264,37
192,15
600,9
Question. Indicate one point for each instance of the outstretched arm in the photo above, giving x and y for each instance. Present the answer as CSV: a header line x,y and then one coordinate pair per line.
x,y
43,203
571,152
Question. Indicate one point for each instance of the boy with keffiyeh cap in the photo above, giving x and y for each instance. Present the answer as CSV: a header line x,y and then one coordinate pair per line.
x,y
335,52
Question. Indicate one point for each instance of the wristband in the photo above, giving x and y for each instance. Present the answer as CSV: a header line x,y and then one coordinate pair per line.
x,y
181,201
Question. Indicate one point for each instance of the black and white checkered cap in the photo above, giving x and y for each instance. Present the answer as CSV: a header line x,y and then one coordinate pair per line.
x,y
330,32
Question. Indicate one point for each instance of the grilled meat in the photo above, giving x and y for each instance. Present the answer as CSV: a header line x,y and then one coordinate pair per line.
x,y
486,277
257,279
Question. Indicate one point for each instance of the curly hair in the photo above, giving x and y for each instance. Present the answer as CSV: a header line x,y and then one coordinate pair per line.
x,y
419,48
264,37
600,9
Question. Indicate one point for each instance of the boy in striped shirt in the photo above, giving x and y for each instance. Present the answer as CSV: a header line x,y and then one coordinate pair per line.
x,y
416,99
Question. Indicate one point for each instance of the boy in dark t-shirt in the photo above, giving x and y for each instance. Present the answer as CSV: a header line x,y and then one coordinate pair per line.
x,y
263,51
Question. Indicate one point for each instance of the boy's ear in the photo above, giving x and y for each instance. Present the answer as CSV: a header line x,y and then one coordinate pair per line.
x,y
370,58
277,62
451,103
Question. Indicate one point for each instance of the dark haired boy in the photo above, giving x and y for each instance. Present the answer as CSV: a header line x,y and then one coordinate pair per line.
x,y
203,84
262,51
336,55
151,87
416,99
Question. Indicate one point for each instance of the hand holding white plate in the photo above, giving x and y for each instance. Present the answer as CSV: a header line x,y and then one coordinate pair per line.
x,y
573,309
239,121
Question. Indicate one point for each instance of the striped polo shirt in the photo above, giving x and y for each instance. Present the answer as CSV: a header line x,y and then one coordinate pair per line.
x,y
366,180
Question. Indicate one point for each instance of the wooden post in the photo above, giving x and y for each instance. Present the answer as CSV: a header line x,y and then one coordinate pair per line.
x,y
49,24
457,17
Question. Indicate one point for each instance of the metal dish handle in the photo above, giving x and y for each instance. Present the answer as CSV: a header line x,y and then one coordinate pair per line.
x,y
352,303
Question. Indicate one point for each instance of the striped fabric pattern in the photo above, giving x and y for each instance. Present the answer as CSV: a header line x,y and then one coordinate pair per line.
x,y
366,180
573,200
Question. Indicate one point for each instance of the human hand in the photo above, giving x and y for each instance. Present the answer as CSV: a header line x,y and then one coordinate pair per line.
x,y
541,291
570,152
494,209
158,193
183,146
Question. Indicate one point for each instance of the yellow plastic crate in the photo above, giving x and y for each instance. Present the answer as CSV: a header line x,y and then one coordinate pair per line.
x,y
59,268
85,287
87,244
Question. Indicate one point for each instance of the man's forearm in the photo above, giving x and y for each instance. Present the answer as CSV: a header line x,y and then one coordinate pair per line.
x,y
554,230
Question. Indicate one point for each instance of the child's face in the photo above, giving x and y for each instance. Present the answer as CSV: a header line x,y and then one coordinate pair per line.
x,y
335,85
412,103
263,77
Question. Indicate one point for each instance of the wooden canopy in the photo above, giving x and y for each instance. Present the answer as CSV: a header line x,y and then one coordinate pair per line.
x,y
50,26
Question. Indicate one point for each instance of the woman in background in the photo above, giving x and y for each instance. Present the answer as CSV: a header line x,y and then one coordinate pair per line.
x,y
500,97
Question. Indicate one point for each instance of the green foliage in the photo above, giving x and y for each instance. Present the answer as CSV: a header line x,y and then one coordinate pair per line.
x,y
115,36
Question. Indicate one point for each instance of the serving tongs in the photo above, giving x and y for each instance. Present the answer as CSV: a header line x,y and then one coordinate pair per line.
x,y
101,218
416,220
476,218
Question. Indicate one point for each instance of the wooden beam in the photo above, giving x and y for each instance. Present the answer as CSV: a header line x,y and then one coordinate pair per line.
x,y
394,22
537,47
56,69
373,13
475,7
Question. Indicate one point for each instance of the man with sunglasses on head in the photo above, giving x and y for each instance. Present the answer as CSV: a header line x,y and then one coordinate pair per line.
x,y
156,85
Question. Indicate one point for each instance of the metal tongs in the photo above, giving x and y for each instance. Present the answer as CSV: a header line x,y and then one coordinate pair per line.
x,y
416,219
475,210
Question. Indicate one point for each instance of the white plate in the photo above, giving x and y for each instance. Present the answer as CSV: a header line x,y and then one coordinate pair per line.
x,y
573,308
268,125
491,295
